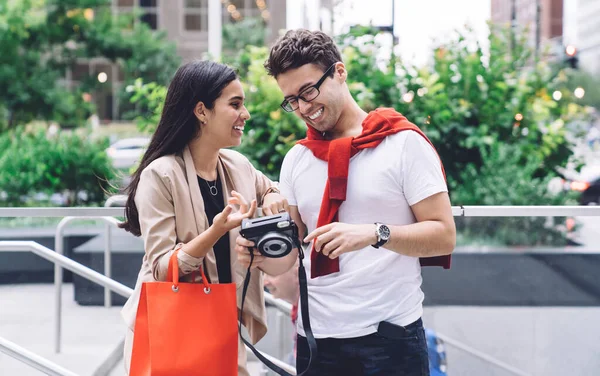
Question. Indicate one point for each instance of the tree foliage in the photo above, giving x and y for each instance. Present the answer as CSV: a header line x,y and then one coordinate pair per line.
x,y
41,39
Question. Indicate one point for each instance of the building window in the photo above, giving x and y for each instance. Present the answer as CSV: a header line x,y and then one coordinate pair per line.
x,y
150,16
150,19
195,15
195,4
149,10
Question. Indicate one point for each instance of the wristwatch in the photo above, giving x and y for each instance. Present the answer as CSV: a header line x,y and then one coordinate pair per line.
x,y
383,234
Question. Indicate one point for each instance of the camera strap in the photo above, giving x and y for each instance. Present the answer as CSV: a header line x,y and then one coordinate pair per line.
x,y
312,343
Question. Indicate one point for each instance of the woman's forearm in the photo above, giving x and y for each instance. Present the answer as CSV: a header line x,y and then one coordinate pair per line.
x,y
203,243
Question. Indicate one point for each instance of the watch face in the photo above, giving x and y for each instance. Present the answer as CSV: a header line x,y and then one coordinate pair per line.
x,y
384,232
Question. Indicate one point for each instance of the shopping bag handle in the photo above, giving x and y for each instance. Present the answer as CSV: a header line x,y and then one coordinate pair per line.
x,y
173,273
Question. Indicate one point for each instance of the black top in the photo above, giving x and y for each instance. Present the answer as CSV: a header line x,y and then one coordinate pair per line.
x,y
213,205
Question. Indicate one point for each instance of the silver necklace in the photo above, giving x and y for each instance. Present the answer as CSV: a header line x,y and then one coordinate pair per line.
x,y
212,188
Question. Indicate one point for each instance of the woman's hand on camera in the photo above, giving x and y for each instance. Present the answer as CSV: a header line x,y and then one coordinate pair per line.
x,y
243,248
229,219
274,203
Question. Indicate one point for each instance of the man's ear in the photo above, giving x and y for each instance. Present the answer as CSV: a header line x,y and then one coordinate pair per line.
x,y
200,112
340,71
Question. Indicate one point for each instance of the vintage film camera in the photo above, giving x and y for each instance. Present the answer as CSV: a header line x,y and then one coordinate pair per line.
x,y
274,235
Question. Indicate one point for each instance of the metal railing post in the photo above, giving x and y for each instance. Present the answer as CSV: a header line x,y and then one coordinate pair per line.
x,y
58,272
280,317
117,200
58,280
107,263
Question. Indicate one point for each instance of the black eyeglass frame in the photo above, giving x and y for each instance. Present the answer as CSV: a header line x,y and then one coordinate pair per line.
x,y
286,102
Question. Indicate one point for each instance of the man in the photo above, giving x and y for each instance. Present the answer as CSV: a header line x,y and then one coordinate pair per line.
x,y
370,193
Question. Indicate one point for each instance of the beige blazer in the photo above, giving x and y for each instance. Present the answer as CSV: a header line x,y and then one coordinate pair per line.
x,y
171,211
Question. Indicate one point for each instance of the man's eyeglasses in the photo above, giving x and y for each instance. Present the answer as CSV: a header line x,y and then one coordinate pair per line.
x,y
307,95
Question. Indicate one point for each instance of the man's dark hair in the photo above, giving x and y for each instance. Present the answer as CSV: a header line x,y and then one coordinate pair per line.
x,y
300,47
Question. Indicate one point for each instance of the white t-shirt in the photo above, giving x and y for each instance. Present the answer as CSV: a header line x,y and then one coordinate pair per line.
x,y
373,285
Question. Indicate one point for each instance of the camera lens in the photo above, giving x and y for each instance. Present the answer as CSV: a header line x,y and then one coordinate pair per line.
x,y
274,245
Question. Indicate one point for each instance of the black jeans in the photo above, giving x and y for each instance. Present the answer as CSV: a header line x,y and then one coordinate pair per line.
x,y
401,353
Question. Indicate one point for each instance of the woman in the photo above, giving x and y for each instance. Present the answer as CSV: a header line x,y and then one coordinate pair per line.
x,y
177,196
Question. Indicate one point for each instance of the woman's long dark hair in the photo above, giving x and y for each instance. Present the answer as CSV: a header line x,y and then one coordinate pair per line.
x,y
197,81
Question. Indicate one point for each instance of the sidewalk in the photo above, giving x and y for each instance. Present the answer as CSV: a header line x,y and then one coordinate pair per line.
x,y
89,334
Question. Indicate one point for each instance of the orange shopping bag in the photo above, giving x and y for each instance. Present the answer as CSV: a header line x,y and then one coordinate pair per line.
x,y
185,329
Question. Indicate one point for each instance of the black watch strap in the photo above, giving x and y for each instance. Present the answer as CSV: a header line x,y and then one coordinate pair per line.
x,y
379,243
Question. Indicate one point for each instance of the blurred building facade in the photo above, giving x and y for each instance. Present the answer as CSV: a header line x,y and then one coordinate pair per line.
x,y
186,23
543,19
560,23
588,35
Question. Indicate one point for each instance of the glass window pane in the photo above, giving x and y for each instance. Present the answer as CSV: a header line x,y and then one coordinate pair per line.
x,y
195,4
148,3
194,22
151,20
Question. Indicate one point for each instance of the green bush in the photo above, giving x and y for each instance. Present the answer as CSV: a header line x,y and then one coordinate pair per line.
x,y
68,162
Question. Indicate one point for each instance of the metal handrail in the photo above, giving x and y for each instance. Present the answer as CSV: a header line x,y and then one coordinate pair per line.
x,y
481,355
66,263
58,272
48,212
116,200
89,274
40,363
279,363
280,304
529,211
458,211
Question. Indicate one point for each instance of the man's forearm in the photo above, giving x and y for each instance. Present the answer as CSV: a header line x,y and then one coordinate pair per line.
x,y
277,266
422,239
